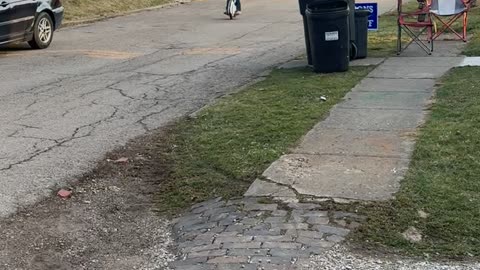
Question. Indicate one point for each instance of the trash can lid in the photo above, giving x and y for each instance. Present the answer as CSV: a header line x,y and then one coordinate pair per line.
x,y
322,6
303,5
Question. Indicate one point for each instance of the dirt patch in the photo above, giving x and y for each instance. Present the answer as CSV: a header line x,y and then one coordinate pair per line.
x,y
108,223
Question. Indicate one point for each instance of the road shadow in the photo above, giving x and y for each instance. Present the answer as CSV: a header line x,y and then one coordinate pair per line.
x,y
224,19
15,47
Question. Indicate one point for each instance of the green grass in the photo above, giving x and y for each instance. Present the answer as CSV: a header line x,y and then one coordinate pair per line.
x,y
92,9
473,31
382,43
443,180
228,145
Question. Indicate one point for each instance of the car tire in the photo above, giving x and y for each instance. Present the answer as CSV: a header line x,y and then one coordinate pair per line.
x,y
42,32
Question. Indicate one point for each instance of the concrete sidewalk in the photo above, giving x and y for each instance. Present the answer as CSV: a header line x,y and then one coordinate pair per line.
x,y
361,151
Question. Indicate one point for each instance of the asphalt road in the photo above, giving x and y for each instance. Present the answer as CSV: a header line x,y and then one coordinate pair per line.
x,y
102,84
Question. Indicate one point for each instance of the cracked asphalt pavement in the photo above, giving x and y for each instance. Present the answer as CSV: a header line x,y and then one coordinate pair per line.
x,y
102,84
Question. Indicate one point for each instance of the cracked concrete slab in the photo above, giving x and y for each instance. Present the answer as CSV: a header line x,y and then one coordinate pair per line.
x,y
268,189
117,79
358,178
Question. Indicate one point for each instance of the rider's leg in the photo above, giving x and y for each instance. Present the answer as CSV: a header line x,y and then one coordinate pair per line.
x,y
239,5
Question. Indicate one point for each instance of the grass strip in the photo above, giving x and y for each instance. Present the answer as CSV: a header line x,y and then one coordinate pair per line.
x,y
440,195
222,150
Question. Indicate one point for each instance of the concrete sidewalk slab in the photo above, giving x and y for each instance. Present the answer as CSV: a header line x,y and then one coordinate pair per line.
x,y
470,62
320,141
408,72
395,85
386,100
441,48
357,178
374,119
423,61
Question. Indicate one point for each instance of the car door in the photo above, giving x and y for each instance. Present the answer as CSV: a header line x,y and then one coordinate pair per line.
x,y
23,15
5,18
17,16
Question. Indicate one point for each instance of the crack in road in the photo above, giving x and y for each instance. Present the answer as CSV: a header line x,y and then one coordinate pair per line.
x,y
186,76
104,105
61,142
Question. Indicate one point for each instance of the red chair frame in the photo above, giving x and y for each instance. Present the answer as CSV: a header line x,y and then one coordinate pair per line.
x,y
447,24
407,25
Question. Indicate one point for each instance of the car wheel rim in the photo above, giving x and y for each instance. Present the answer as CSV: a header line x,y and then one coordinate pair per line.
x,y
44,30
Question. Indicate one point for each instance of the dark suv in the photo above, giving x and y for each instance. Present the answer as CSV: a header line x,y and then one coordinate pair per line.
x,y
33,21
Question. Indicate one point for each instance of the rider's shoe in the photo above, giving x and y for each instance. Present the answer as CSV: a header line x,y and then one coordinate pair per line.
x,y
238,13
226,13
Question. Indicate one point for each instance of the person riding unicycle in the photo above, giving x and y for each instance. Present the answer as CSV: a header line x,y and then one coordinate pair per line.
x,y
239,8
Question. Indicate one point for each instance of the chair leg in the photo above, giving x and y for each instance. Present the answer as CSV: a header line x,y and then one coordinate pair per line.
x,y
415,37
399,40
431,47
430,34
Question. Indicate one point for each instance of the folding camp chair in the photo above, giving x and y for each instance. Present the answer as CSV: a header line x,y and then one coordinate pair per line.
x,y
417,25
451,11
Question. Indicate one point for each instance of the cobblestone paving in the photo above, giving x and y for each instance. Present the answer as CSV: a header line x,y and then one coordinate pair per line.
x,y
256,233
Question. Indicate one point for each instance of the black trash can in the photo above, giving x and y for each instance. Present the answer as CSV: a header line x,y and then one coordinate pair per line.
x,y
351,22
303,7
328,27
361,33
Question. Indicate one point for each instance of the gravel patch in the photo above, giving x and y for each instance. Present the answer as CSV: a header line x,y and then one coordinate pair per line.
x,y
99,227
339,258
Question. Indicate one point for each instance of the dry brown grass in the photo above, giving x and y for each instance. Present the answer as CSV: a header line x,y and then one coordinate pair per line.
x,y
92,9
